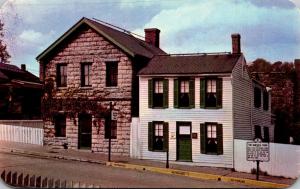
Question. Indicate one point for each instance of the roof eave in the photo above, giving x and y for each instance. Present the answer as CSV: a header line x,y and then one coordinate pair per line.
x,y
71,30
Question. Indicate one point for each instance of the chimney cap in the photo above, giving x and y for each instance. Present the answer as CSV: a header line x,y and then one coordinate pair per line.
x,y
151,29
235,35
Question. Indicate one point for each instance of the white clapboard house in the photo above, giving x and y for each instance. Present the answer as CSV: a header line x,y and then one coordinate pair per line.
x,y
195,105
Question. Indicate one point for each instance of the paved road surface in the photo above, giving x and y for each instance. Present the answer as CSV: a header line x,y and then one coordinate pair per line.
x,y
99,174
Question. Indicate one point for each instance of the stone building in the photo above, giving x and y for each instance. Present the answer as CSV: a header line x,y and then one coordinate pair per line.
x,y
90,66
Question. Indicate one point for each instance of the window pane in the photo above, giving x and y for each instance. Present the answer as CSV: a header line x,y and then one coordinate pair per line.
x,y
158,85
214,86
184,86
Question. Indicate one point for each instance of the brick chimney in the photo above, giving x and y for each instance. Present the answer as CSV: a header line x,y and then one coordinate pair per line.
x,y
236,43
23,67
152,36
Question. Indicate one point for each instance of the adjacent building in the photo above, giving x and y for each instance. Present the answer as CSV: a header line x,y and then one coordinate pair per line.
x,y
195,105
20,93
91,66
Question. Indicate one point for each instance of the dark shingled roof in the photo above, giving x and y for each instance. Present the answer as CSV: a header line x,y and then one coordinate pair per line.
x,y
9,72
125,41
137,46
190,64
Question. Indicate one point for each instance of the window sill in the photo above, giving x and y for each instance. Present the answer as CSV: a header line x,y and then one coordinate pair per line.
x,y
158,151
159,108
212,108
185,107
60,137
61,88
112,87
86,87
213,153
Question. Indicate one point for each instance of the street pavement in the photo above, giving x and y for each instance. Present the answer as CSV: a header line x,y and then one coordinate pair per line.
x,y
101,175
98,159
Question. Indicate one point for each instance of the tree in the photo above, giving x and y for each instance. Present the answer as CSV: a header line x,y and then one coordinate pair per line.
x,y
4,56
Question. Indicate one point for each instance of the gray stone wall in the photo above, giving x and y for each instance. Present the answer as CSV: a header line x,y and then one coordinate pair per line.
x,y
88,46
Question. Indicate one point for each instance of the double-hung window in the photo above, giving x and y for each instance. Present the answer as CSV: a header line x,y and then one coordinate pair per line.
x,y
266,100
158,93
211,91
158,136
60,125
257,131
257,97
86,79
184,93
111,74
61,77
266,134
211,138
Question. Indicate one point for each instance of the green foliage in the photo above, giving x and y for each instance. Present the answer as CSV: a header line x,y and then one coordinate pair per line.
x,y
70,104
4,56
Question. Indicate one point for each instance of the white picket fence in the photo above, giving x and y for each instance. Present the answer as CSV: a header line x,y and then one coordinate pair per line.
x,y
23,131
284,159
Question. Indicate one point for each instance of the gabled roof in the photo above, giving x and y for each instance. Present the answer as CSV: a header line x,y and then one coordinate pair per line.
x,y
128,43
191,64
10,72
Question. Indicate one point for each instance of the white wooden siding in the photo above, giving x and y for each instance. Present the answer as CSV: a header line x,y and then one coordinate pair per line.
x,y
262,117
196,116
15,131
242,98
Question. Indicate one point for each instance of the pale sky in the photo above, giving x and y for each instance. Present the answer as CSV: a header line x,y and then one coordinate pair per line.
x,y
269,28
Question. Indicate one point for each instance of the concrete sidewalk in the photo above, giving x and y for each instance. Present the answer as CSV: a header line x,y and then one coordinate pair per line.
x,y
210,173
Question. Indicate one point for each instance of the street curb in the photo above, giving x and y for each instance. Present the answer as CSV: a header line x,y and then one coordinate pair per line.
x,y
191,174
198,175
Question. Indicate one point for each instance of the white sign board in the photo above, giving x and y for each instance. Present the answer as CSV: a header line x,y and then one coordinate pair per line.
x,y
184,130
258,151
114,115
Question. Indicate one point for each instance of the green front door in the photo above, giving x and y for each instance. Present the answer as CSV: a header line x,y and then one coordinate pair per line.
x,y
184,142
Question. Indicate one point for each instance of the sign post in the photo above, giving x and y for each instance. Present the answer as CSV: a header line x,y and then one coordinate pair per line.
x,y
109,136
258,151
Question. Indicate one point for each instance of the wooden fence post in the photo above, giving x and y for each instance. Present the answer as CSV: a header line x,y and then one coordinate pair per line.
x,y
14,179
3,175
32,181
8,178
38,182
63,184
26,180
57,183
20,180
50,183
44,182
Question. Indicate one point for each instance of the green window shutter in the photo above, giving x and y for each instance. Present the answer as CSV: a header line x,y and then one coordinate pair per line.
x,y
219,139
166,136
166,93
219,92
150,93
150,136
176,93
192,93
202,93
202,138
